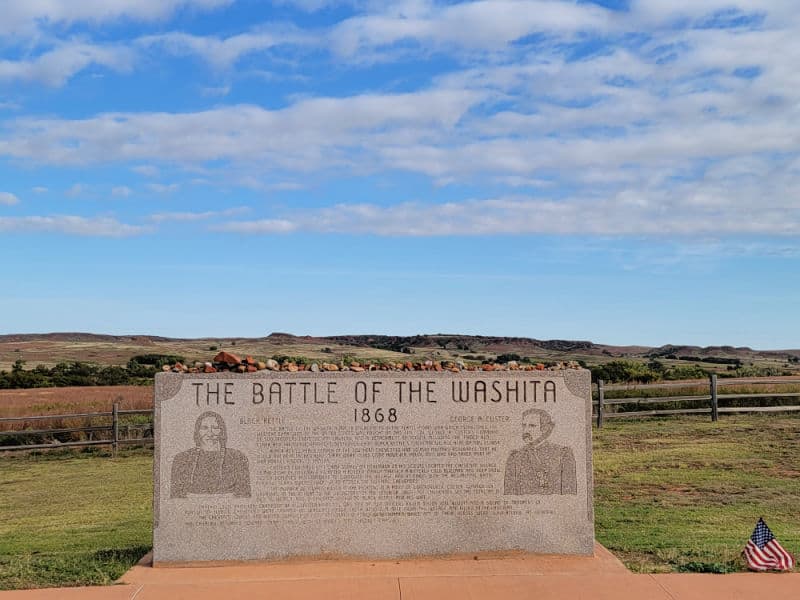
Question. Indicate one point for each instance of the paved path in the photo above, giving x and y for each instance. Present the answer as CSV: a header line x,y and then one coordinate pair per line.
x,y
510,577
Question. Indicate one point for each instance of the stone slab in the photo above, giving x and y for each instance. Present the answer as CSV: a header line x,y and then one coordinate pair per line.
x,y
272,465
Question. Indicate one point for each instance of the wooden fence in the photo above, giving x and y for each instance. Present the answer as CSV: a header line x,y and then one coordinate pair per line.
x,y
601,405
112,433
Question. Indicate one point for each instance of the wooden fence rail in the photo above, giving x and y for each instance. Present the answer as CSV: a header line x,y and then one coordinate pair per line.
x,y
114,440
727,381
712,398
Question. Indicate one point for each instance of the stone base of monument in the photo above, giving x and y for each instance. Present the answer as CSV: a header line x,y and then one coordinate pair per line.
x,y
486,564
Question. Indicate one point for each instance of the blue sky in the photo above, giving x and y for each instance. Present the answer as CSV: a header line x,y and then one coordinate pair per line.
x,y
620,171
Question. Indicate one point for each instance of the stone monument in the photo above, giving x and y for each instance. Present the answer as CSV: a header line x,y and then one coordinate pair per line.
x,y
272,465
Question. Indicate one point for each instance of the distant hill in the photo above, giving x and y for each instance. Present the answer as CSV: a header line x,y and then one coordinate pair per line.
x,y
495,344
77,337
51,348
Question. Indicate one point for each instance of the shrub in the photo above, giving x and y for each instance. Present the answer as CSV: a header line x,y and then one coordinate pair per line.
x,y
686,372
282,358
624,371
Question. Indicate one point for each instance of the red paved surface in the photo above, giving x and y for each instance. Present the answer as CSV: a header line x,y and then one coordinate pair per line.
x,y
507,577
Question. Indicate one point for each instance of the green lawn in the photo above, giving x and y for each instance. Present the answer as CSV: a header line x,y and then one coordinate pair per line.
x,y
685,493
74,518
670,494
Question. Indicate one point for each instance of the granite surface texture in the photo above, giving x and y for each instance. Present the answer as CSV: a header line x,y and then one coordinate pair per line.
x,y
273,465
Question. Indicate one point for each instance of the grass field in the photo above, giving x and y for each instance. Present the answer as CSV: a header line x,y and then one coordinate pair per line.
x,y
670,494
70,400
71,519
116,352
684,494
63,400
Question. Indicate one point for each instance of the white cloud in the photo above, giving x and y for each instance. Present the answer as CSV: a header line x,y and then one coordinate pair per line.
x,y
261,226
481,24
146,170
435,132
253,182
309,134
660,12
223,53
162,188
217,91
39,189
55,67
621,214
8,199
121,191
183,217
24,16
72,225
286,186
315,5
681,130
375,33
75,190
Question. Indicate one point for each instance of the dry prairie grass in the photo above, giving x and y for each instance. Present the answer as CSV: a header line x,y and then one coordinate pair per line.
x,y
66,400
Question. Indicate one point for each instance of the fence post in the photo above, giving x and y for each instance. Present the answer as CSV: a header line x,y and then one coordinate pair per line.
x,y
115,427
599,403
714,407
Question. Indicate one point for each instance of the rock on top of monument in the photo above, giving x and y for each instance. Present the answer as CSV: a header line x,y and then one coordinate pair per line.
x,y
228,358
228,362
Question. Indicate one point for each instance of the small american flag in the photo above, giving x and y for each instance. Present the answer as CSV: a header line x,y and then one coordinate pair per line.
x,y
763,552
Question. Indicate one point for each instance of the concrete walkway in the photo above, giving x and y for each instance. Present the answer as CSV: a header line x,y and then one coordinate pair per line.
x,y
506,577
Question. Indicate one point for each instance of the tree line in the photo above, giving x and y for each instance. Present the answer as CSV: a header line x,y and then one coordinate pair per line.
x,y
629,371
139,370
